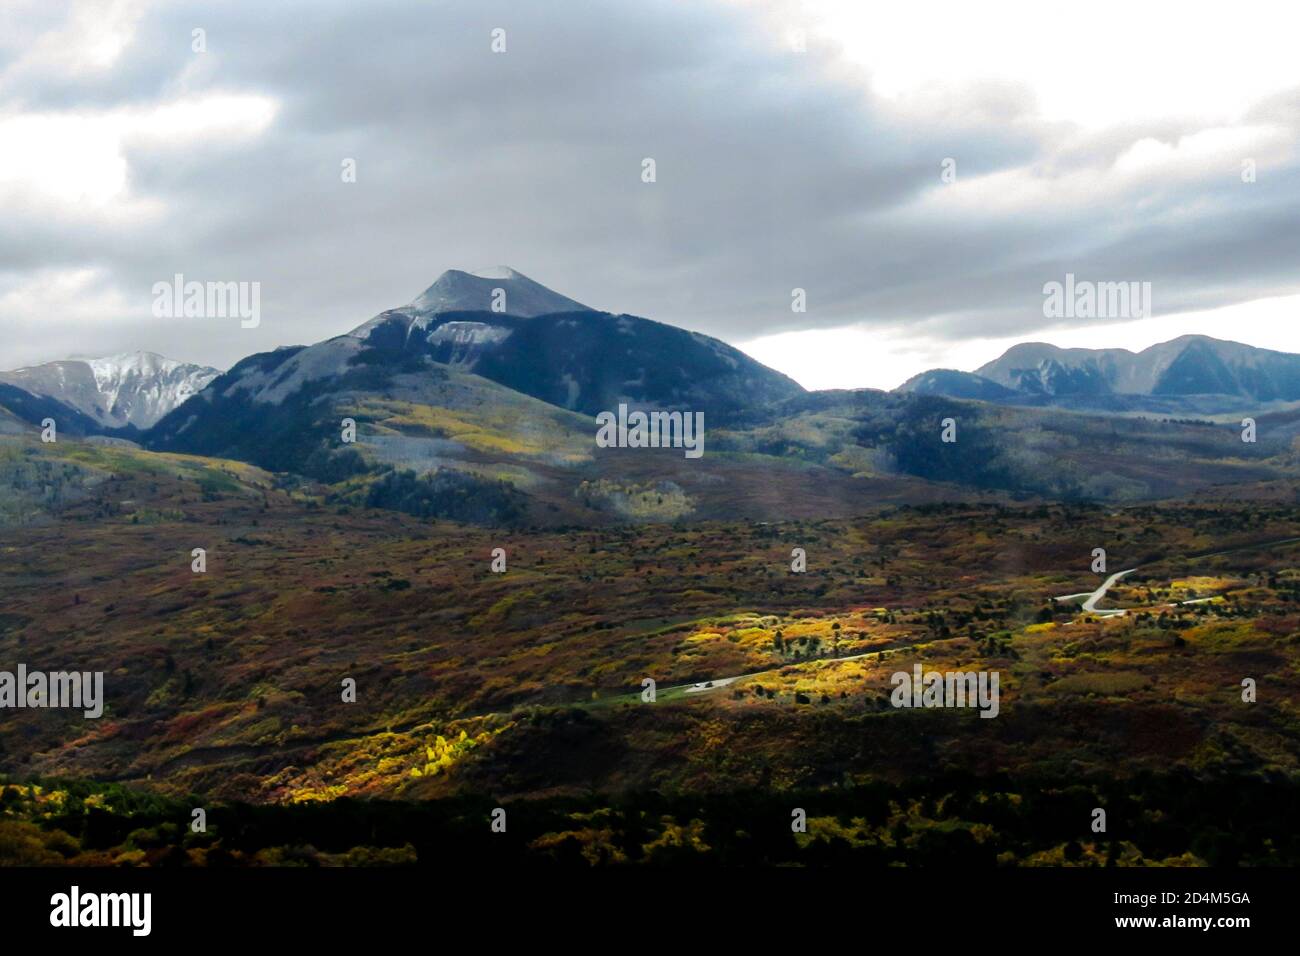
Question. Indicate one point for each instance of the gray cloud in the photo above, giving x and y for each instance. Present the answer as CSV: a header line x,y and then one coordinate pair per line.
x,y
774,171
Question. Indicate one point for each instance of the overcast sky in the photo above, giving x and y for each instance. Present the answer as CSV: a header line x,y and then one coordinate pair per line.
x,y
1107,141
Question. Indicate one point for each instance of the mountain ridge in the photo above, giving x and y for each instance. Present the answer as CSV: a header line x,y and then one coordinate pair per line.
x,y
122,391
577,358
1184,372
486,392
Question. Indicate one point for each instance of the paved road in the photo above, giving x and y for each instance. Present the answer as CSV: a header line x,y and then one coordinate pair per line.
x,y
1090,605
706,686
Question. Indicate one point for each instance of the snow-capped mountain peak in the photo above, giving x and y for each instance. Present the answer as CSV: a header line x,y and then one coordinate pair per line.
x,y
132,388
495,272
458,291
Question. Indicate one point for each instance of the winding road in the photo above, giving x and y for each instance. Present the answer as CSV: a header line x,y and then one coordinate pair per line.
x,y
1092,597
1090,603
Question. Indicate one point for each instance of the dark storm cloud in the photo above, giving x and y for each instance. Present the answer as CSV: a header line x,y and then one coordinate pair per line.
x,y
775,170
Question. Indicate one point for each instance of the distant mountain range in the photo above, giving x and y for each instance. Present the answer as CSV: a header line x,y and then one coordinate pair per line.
x,y
503,326
476,401
1192,374
120,391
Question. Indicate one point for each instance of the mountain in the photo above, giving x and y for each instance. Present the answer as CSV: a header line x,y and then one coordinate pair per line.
x,y
500,291
955,384
487,416
448,340
1192,373
120,391
21,413
457,291
576,358
554,348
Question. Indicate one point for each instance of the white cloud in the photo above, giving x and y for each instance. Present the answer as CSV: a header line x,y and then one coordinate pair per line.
x,y
80,158
88,37
859,357
1099,64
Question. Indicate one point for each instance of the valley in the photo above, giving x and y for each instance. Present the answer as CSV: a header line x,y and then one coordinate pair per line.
x,y
524,688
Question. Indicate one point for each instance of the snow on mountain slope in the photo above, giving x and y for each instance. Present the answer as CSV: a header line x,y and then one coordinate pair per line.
x,y
543,345
1187,365
135,388
457,291
418,326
